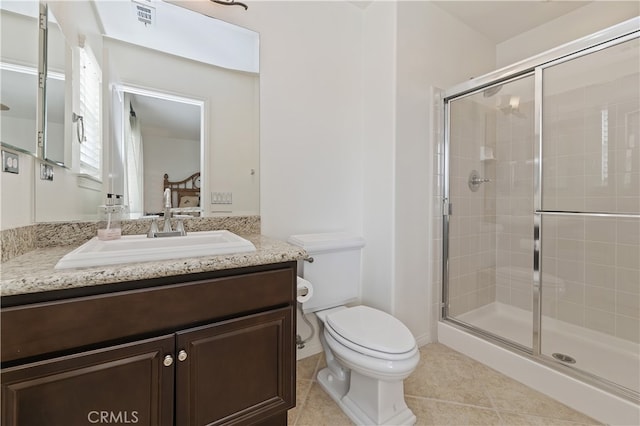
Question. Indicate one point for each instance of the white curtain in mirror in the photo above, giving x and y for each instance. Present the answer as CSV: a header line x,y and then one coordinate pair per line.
x,y
134,157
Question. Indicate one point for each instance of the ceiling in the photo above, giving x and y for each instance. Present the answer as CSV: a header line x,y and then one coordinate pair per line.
x,y
502,20
167,118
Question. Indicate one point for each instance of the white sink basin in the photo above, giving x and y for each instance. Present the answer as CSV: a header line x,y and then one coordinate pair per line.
x,y
139,248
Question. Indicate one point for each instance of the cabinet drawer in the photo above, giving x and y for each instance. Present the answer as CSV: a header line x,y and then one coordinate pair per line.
x,y
44,328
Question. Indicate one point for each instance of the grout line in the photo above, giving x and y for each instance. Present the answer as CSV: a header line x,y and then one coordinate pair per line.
x,y
311,381
499,412
317,367
446,401
303,403
538,417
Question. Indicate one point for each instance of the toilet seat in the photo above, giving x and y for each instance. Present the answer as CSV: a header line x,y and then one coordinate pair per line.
x,y
371,332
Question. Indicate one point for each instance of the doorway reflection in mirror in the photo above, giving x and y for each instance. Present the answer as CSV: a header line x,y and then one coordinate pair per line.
x,y
162,136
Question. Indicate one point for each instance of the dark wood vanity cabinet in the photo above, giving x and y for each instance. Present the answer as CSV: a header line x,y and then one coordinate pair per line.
x,y
211,350
123,384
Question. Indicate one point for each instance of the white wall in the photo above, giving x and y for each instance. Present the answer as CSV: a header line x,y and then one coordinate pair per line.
x,y
311,119
379,111
16,203
179,158
310,112
583,21
433,50
66,197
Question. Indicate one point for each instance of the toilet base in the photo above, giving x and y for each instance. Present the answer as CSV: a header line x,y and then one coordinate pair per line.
x,y
368,401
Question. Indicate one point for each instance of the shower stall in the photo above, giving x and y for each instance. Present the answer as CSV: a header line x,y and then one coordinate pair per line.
x,y
541,218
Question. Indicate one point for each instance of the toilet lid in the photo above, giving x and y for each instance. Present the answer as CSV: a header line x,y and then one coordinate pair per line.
x,y
372,329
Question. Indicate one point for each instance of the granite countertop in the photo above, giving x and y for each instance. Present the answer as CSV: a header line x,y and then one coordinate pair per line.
x,y
34,271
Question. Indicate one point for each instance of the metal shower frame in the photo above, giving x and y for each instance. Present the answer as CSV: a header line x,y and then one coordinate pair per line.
x,y
533,66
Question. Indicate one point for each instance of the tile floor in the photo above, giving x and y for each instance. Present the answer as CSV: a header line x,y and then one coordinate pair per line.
x,y
447,388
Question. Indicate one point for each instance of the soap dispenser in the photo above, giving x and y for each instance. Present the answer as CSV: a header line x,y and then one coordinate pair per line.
x,y
110,215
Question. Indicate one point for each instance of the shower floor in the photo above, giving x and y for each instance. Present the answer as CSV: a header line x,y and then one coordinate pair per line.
x,y
609,357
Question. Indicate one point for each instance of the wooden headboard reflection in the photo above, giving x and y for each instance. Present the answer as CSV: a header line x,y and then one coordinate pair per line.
x,y
184,193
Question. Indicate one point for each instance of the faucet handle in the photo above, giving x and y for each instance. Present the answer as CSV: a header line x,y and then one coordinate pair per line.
x,y
153,228
180,224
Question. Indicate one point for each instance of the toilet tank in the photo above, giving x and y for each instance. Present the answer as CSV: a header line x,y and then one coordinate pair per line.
x,y
335,270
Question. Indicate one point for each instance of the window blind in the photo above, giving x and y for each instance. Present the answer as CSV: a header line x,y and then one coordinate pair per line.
x,y
90,79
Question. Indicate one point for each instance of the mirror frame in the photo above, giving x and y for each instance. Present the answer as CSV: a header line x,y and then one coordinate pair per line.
x,y
204,150
41,103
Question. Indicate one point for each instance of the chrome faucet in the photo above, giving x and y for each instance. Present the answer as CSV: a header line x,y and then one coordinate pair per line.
x,y
166,229
167,210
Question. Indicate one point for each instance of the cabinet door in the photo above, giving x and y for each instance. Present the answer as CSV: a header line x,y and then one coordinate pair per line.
x,y
236,371
120,384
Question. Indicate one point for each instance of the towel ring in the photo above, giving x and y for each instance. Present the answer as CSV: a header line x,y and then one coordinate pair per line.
x,y
79,127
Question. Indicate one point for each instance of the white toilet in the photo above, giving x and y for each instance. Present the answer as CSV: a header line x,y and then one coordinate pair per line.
x,y
369,353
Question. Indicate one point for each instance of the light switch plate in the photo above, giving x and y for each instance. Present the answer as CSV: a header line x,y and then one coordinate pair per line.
x,y
221,198
10,162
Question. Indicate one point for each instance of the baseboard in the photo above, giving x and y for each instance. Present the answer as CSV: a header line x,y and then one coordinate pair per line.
x,y
424,339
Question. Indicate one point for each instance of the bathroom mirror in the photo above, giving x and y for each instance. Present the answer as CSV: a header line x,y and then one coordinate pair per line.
x,y
225,81
19,74
58,84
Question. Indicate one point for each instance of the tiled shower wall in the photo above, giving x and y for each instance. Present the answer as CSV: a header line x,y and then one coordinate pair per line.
x,y
515,197
591,162
472,242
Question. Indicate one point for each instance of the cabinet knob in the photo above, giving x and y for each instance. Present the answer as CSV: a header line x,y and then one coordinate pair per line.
x,y
168,360
182,355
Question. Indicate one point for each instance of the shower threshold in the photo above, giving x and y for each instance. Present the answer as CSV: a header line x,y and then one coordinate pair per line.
x,y
611,358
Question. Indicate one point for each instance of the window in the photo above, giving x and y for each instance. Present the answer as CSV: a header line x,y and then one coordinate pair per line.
x,y
90,105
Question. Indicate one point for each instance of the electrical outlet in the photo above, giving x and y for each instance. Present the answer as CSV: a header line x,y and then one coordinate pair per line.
x,y
46,172
10,162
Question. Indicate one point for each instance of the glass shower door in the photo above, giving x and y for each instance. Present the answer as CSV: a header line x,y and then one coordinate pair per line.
x,y
490,225
590,213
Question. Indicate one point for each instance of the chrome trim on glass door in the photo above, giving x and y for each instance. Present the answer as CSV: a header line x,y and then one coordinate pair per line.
x,y
624,29
589,214
537,219
446,201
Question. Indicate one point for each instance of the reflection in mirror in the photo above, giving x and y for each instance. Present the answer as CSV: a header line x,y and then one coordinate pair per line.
x,y
19,73
162,136
195,57
224,80
58,58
